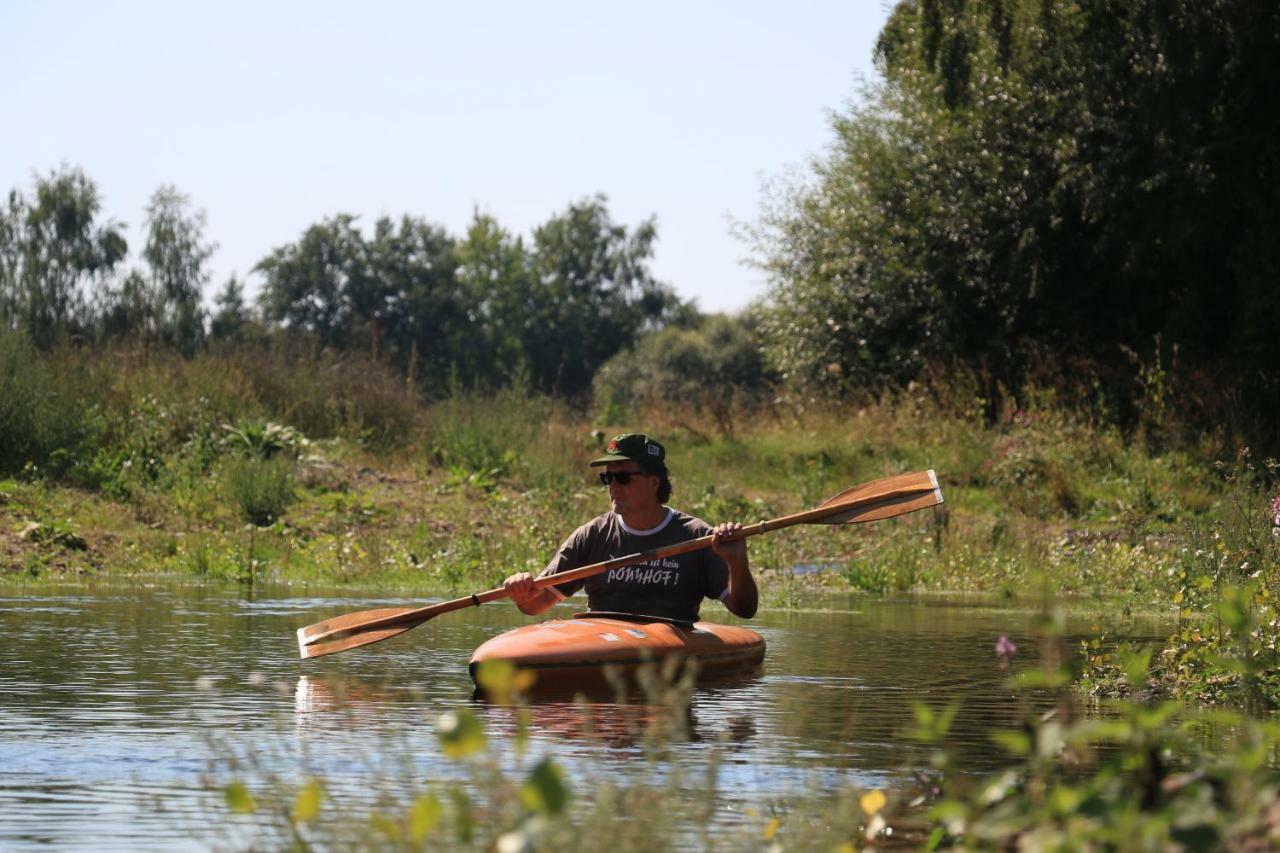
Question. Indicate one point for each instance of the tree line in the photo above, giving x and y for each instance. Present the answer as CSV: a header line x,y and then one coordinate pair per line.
x,y
481,310
1085,186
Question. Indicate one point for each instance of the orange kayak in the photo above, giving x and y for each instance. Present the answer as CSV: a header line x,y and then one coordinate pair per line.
x,y
573,653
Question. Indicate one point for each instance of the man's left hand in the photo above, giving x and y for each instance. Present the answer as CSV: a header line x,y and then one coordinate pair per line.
x,y
724,543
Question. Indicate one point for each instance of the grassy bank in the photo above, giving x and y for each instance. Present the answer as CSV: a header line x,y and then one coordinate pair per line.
x,y
294,466
251,465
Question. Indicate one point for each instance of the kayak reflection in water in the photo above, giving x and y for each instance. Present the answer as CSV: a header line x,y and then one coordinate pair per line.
x,y
670,588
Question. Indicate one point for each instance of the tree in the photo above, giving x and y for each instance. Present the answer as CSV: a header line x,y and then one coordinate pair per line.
x,y
411,302
591,293
232,319
484,310
176,255
52,250
310,284
1081,177
496,270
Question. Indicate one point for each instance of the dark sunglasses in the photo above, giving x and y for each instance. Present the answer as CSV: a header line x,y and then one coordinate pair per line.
x,y
622,478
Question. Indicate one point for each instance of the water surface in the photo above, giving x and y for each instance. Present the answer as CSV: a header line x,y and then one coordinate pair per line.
x,y
123,710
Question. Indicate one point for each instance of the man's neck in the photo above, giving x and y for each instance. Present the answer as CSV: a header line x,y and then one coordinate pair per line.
x,y
647,519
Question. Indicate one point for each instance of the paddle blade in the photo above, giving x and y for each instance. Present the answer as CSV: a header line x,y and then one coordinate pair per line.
x,y
347,622
885,498
320,648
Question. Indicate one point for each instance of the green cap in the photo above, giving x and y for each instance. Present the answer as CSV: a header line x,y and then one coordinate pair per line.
x,y
635,447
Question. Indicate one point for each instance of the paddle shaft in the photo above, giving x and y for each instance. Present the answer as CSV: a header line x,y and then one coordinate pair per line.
x,y
890,501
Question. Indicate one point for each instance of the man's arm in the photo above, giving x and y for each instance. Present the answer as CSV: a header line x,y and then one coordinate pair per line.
x,y
742,598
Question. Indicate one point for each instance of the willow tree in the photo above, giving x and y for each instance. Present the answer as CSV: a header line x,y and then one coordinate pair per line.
x,y
1085,177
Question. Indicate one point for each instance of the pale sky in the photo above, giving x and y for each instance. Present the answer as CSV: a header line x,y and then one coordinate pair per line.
x,y
273,116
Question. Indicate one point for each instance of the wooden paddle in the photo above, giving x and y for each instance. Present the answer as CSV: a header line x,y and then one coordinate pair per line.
x,y
884,498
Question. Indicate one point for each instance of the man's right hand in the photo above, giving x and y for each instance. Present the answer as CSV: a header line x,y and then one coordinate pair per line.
x,y
520,587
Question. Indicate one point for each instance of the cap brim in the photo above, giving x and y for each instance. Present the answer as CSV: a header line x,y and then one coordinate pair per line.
x,y
612,457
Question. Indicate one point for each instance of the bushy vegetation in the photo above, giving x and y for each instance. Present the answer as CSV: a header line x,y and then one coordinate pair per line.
x,y
1080,183
1140,775
716,367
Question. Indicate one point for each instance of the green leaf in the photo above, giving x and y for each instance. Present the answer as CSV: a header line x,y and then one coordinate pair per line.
x,y
1136,663
545,791
501,681
1065,800
306,806
464,822
932,726
1015,743
1156,716
460,734
238,798
424,816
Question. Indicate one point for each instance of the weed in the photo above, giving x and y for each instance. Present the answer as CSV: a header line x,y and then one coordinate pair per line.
x,y
261,488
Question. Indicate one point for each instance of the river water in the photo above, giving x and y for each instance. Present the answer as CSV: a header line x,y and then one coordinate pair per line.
x,y
124,711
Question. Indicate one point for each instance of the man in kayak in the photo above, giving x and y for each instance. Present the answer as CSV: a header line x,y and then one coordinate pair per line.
x,y
635,472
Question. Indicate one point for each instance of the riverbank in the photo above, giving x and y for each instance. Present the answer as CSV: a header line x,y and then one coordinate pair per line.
x,y
307,469
479,487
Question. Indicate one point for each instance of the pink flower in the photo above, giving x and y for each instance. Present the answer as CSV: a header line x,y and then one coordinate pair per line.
x,y
1005,648
1275,510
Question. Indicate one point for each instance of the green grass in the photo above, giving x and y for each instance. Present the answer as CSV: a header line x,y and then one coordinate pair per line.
x,y
389,491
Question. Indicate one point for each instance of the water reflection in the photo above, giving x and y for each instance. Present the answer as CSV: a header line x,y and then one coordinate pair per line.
x,y
614,721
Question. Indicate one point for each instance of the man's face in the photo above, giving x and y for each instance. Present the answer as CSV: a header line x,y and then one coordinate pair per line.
x,y
639,492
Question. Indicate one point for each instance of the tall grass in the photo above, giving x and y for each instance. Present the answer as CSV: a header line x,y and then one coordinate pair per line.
x,y
50,415
459,491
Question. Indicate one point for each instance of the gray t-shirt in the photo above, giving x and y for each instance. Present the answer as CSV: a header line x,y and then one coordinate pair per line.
x,y
669,588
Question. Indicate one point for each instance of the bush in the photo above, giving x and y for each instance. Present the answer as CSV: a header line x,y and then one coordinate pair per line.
x,y
716,369
261,488
48,416
326,395
481,439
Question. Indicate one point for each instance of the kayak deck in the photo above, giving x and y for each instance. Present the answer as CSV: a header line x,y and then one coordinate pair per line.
x,y
576,652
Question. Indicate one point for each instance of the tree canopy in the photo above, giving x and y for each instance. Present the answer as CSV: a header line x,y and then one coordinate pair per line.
x,y
1084,177
481,310
1083,183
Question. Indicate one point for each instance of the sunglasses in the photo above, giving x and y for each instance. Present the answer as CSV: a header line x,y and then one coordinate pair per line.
x,y
622,478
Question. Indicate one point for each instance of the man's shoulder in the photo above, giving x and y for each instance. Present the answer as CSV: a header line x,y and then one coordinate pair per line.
x,y
691,523
594,526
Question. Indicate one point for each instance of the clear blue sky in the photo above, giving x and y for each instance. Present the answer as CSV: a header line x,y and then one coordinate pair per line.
x,y
272,116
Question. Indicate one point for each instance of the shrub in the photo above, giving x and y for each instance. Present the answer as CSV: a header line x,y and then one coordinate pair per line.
x,y
47,408
716,369
261,488
327,395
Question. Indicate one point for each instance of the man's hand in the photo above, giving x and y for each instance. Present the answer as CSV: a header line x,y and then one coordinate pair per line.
x,y
727,547
520,587
526,596
742,598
